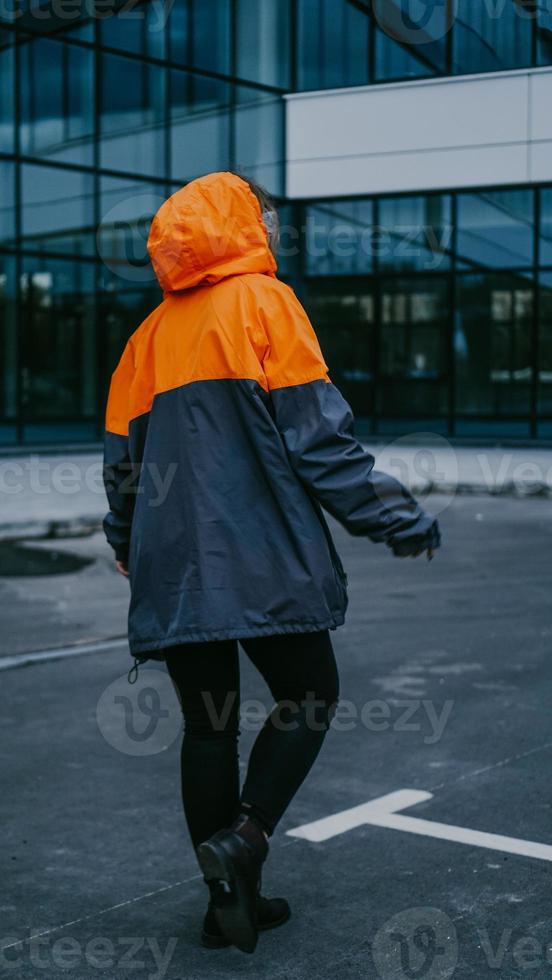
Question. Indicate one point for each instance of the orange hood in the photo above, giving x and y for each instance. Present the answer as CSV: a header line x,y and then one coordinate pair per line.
x,y
210,229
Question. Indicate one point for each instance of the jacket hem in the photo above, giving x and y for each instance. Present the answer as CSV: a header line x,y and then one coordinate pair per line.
x,y
154,649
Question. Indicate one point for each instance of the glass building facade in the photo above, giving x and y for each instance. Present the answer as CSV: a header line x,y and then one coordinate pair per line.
x,y
433,310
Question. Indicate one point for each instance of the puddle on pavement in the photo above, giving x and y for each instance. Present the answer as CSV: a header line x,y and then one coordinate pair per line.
x,y
19,559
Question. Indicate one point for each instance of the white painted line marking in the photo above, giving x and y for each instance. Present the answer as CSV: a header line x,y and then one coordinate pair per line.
x,y
383,812
78,650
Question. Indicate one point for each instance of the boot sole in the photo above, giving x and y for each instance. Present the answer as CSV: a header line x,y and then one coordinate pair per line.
x,y
219,942
236,916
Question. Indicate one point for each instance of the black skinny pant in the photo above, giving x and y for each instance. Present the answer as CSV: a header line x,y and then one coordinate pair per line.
x,y
301,673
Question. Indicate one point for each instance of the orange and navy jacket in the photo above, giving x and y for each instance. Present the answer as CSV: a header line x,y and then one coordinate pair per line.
x,y
224,439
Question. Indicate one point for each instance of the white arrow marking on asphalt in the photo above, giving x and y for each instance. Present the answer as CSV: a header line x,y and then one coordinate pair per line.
x,y
384,812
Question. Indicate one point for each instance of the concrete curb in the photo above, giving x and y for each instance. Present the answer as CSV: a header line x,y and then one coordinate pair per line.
x,y
61,653
75,527
87,524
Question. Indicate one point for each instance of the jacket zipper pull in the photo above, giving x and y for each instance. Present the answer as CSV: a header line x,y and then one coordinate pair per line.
x,y
132,675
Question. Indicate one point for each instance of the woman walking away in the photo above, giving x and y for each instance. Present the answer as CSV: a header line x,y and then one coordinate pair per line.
x,y
225,439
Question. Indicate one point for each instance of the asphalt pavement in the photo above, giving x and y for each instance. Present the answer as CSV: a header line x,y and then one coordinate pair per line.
x,y
445,688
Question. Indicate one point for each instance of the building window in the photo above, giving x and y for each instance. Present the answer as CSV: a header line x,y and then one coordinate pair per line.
x,y
544,32
263,31
352,42
126,210
496,229
132,116
545,354
411,40
493,357
58,377
492,37
412,364
8,352
340,238
258,121
200,114
200,34
332,44
57,213
57,101
545,238
7,203
415,233
7,92
344,316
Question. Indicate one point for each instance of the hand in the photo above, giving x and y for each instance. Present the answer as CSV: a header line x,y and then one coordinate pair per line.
x,y
416,554
122,568
413,548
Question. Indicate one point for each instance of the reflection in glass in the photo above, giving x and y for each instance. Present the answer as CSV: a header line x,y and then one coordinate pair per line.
x,y
56,101
8,350
339,238
200,125
545,243
544,32
263,31
259,138
211,34
57,210
139,28
180,34
545,345
343,316
491,37
411,39
59,373
414,314
126,210
7,202
495,229
415,233
122,307
7,91
132,116
333,44
288,252
492,345
200,33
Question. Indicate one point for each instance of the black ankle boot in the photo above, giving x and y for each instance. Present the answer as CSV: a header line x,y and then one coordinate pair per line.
x,y
231,862
271,913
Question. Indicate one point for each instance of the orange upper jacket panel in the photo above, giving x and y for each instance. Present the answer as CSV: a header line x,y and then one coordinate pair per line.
x,y
224,313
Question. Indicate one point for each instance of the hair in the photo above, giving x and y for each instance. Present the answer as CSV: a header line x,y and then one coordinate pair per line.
x,y
268,210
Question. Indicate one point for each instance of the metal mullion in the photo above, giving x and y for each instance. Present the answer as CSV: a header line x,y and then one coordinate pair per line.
x,y
535,38
371,74
98,320
377,279
535,322
167,122
452,293
19,345
232,125
293,45
449,55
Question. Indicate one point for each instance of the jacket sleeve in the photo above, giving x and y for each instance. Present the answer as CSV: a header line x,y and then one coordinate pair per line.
x,y
316,425
119,474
